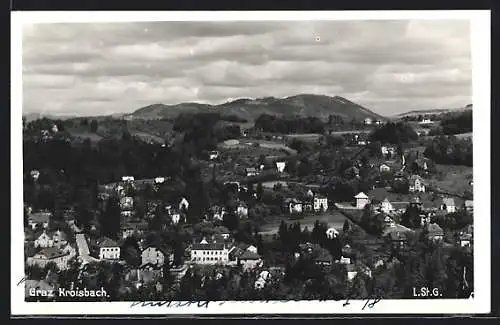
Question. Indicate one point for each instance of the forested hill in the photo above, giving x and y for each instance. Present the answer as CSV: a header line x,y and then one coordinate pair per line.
x,y
304,105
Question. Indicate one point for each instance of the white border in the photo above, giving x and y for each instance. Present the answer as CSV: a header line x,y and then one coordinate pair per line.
x,y
480,41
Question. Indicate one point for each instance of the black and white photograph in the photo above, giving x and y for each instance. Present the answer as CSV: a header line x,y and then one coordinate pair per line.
x,y
263,163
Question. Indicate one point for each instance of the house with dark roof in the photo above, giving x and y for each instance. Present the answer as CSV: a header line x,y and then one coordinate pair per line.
x,y
416,184
434,232
209,253
448,205
50,255
397,238
249,260
39,219
50,239
108,249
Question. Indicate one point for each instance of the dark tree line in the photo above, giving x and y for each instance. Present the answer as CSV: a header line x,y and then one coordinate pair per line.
x,y
450,150
457,123
394,133
274,124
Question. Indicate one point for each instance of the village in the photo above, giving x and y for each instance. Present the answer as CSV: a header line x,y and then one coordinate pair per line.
x,y
274,218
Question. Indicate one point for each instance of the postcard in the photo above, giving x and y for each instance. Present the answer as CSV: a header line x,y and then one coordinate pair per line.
x,y
250,163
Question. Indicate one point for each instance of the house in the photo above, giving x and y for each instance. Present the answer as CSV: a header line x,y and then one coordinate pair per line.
x,y
331,233
367,121
434,232
448,205
127,178
50,255
351,272
280,166
127,203
416,203
389,222
387,150
252,249
133,229
156,256
183,204
425,219
251,171
213,155
262,279
242,210
39,219
320,203
146,273
384,168
293,205
108,249
465,240
397,238
345,260
426,121
386,206
35,174
249,260
469,206
209,253
159,180
218,213
361,200
175,217
46,239
416,184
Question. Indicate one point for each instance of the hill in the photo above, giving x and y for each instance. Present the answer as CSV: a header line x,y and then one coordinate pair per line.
x,y
249,109
433,111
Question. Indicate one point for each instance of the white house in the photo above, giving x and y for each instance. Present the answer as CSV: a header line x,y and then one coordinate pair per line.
x,y
183,204
386,206
351,272
262,279
35,174
294,206
389,222
361,200
280,166
448,205
108,249
242,210
154,255
384,168
213,155
175,217
386,149
368,121
127,203
332,233
45,240
127,178
209,253
425,121
345,260
159,180
320,203
416,184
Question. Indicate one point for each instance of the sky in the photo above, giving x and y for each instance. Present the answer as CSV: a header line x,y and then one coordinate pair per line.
x,y
103,68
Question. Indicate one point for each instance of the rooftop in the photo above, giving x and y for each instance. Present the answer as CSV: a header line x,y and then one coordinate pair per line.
x,y
40,217
107,242
361,195
208,246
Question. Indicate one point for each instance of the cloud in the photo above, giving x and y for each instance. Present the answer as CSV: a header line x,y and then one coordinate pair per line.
x,y
104,68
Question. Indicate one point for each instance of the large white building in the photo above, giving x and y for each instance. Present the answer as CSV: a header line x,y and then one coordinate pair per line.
x,y
108,249
320,203
361,200
209,253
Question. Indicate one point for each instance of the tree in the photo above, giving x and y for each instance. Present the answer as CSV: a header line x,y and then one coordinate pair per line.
x,y
260,191
84,211
93,126
283,232
131,252
110,219
345,228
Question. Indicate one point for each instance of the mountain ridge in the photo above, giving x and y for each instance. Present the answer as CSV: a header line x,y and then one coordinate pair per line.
x,y
304,105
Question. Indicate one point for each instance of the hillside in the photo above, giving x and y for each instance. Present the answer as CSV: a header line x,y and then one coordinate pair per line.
x,y
433,111
249,109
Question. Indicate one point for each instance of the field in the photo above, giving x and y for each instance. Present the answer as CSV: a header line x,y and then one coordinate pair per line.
x,y
333,218
306,137
250,143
